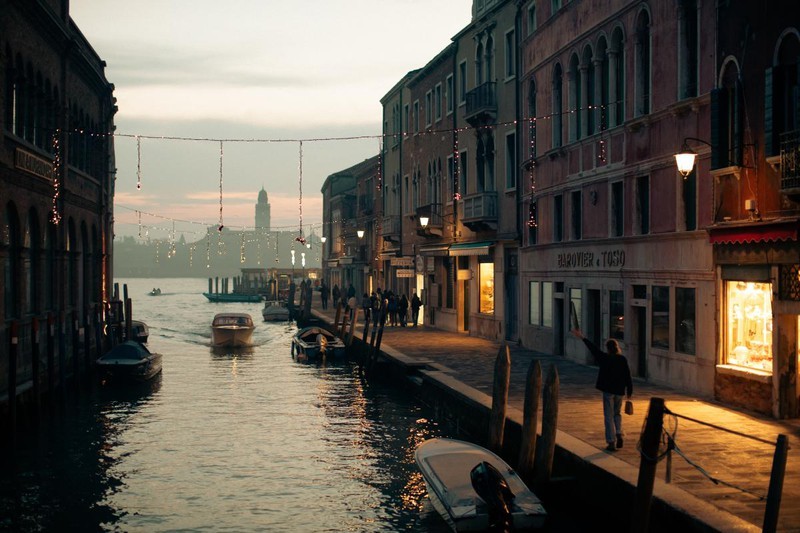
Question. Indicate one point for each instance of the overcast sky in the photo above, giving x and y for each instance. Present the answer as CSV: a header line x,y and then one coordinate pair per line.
x,y
251,69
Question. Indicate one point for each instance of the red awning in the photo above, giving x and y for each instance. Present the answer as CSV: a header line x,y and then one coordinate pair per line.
x,y
782,231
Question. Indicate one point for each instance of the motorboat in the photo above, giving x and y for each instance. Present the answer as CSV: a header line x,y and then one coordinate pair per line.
x,y
314,343
474,489
232,330
139,331
156,291
274,312
232,297
129,361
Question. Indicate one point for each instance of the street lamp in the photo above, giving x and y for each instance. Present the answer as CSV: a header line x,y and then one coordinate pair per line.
x,y
360,233
423,221
323,239
685,159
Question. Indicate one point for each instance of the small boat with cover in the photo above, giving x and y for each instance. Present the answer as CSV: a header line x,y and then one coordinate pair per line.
x,y
129,361
474,489
274,312
313,343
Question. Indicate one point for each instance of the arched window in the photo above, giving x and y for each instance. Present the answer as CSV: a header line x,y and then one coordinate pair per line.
x,y
480,165
575,103
602,76
782,93
31,262
727,135
489,59
616,78
558,106
587,92
688,51
643,86
479,65
11,244
532,118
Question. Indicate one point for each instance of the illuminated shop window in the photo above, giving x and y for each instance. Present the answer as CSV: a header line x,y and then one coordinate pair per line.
x,y
535,316
487,287
748,307
547,304
659,333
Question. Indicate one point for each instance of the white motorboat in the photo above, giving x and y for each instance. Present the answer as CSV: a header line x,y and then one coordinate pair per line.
x,y
274,312
474,489
232,330
129,361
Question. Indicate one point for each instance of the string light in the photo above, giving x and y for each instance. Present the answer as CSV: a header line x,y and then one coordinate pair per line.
x,y
139,215
208,250
55,218
221,225
138,162
456,165
241,250
301,239
532,170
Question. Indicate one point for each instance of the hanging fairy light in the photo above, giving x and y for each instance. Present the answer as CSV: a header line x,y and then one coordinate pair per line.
x,y
208,250
139,215
138,163
221,225
532,171
55,218
171,252
241,249
456,165
301,239
191,255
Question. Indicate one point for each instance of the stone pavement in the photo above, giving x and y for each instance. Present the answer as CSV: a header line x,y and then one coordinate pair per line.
x,y
741,462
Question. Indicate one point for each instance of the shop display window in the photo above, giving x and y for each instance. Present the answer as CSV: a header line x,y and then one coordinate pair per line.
x,y
535,303
660,318
547,304
748,316
486,281
685,320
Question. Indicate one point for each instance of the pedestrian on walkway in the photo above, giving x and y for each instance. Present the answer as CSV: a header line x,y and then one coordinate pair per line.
x,y
376,308
336,295
391,306
614,381
416,303
366,305
402,310
323,294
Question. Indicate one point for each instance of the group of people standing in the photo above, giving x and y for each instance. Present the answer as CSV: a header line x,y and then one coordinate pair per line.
x,y
397,306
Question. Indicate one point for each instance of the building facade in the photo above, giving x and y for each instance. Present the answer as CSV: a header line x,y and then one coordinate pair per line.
x,y
56,181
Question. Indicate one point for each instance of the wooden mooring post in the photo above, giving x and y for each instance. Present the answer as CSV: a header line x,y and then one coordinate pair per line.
x,y
651,436
530,419
502,378
546,446
338,316
775,490
354,313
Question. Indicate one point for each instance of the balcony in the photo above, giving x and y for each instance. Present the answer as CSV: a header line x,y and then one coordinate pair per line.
x,y
790,164
482,104
392,228
480,211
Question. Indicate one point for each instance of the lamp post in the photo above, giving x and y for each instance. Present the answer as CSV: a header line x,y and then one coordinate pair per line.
x,y
685,158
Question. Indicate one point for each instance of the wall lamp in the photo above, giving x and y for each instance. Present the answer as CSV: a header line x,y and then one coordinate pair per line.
x,y
323,239
685,158
360,233
423,221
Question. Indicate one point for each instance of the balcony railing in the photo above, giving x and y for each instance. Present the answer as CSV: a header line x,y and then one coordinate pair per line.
x,y
482,99
480,207
392,227
790,162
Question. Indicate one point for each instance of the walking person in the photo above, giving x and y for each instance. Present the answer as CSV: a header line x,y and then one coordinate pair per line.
x,y
323,294
336,295
614,381
402,310
366,305
376,308
391,306
416,303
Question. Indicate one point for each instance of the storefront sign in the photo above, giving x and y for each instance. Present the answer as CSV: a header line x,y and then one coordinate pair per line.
x,y
402,262
34,164
609,259
405,273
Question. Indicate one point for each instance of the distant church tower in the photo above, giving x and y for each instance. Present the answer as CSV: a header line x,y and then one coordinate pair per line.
x,y
262,211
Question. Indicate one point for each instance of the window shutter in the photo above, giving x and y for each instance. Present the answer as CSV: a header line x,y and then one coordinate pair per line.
x,y
769,140
719,128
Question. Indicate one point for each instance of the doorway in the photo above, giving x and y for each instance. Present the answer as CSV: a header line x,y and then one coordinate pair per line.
x,y
558,326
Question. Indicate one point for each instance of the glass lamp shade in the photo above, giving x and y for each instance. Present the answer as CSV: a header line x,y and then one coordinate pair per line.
x,y
423,221
685,162
360,233
323,239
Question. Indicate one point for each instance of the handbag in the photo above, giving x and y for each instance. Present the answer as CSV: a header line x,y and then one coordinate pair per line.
x,y
628,407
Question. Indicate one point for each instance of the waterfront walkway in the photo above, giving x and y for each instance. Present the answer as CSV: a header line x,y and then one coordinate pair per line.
x,y
743,463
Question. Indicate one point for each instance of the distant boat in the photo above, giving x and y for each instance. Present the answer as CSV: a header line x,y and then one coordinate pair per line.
x,y
274,312
139,331
231,297
129,361
313,343
474,489
232,330
155,291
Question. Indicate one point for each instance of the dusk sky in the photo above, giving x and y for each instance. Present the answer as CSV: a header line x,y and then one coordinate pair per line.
x,y
250,70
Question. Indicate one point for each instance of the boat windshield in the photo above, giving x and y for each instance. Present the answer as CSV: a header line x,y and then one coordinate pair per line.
x,y
232,321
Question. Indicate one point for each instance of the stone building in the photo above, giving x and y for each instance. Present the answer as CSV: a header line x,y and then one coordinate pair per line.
x,y
56,182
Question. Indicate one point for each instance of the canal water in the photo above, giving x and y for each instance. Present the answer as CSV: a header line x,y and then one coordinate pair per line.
x,y
222,441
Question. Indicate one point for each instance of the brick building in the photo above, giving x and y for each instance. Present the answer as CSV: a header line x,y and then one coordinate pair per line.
x,y
56,181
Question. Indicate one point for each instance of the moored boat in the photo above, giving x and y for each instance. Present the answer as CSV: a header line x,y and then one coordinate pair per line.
x,y
473,489
232,330
139,331
313,343
232,297
129,361
274,312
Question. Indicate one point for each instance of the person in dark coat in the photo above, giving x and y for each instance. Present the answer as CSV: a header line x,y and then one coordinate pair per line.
x,y
614,381
402,310
416,303
336,295
323,294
